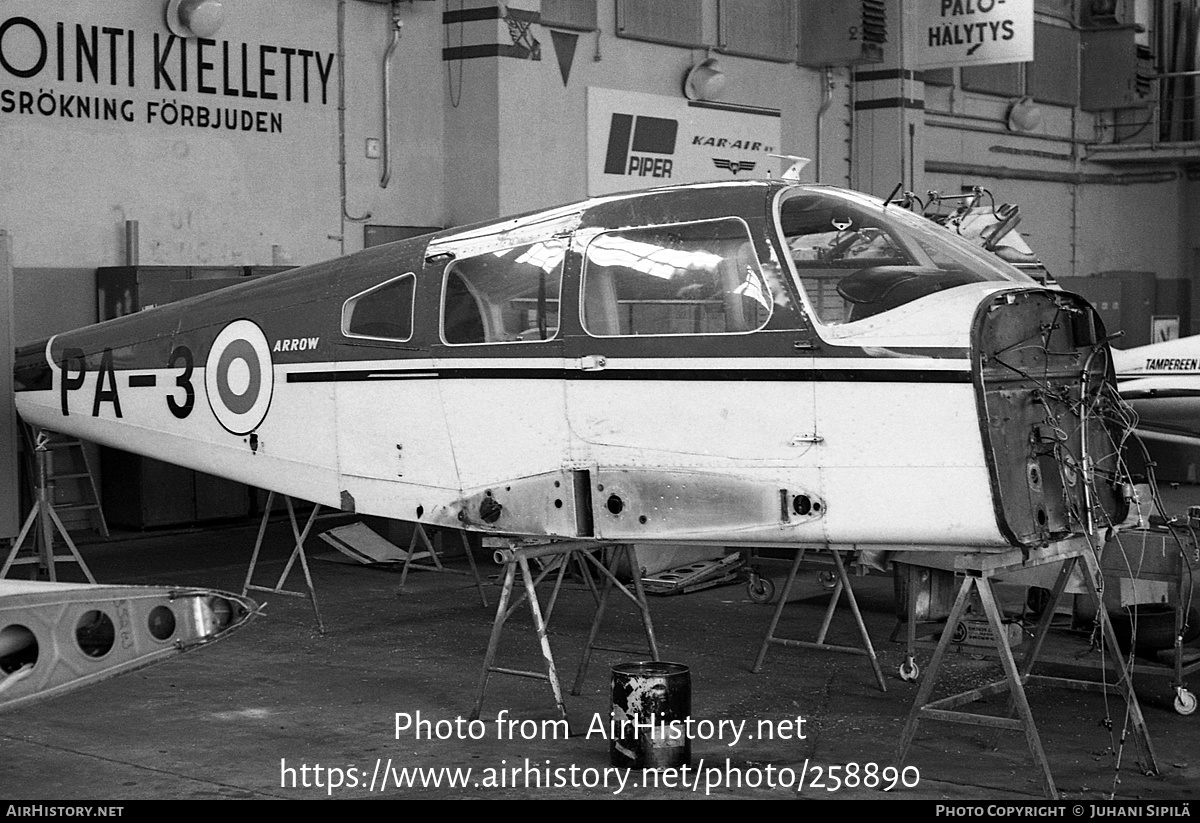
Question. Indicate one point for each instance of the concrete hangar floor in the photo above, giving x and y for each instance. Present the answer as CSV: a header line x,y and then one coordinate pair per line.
x,y
279,710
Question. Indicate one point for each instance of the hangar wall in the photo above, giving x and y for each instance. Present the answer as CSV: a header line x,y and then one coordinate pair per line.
x,y
260,144
220,148
1099,191
227,151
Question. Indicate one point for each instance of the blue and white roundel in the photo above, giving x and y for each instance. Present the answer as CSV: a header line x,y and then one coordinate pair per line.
x,y
239,376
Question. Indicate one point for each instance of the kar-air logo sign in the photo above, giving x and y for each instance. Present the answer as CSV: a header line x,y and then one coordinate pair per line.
x,y
640,146
734,166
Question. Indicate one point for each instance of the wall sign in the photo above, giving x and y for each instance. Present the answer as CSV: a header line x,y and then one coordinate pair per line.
x,y
1164,327
638,141
92,71
974,32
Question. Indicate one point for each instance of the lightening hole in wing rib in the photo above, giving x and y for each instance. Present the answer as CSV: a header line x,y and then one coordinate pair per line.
x,y
161,622
95,633
18,648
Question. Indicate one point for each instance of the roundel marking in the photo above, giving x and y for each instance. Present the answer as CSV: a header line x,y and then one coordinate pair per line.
x,y
239,377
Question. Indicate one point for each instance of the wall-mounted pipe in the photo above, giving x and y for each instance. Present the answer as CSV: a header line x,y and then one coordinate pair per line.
x,y
397,26
1040,175
131,242
826,99
341,57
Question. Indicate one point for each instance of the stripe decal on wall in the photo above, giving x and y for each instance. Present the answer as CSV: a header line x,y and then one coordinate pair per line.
x,y
491,13
470,15
889,103
522,45
888,74
490,50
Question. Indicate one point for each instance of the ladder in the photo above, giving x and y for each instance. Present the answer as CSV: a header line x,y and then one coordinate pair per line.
x,y
72,477
46,520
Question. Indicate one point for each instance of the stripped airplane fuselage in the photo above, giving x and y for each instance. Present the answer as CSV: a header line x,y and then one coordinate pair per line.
x,y
754,363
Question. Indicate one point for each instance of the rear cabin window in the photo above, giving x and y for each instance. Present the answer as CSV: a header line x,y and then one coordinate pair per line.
x,y
383,313
690,278
506,296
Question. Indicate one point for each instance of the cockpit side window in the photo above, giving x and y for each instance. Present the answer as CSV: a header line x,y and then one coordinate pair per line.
x,y
509,295
384,312
855,258
688,278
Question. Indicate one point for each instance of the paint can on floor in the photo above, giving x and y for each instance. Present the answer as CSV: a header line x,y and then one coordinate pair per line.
x,y
651,702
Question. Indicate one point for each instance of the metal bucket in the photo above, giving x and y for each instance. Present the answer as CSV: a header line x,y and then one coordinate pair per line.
x,y
651,702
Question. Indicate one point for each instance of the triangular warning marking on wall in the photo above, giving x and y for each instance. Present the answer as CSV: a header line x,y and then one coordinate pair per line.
x,y
564,48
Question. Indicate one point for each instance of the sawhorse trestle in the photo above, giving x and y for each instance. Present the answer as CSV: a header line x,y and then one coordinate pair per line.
x,y
979,571
297,553
412,554
517,559
843,584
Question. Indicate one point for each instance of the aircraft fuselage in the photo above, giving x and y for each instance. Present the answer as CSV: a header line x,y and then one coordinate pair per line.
x,y
754,363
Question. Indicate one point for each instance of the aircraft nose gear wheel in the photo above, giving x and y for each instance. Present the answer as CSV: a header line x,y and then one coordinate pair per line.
x,y
760,589
909,670
1185,701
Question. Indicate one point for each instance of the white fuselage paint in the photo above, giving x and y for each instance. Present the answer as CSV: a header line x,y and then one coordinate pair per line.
x,y
1162,383
897,459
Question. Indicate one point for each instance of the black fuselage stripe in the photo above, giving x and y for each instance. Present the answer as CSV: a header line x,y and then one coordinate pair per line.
x,y
679,375
1160,394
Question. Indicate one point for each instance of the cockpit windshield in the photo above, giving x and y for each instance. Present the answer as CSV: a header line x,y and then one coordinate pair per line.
x,y
855,258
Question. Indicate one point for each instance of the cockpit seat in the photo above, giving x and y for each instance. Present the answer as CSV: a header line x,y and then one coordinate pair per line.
x,y
880,288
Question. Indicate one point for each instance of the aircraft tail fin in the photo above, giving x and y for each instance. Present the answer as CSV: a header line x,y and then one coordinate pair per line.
x,y
1169,356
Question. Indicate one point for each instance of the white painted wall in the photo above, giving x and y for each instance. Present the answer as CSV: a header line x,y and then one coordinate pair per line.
x,y
1130,228
516,133
1080,221
206,196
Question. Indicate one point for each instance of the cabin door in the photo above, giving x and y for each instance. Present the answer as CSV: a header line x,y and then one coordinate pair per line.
x,y
691,416
499,362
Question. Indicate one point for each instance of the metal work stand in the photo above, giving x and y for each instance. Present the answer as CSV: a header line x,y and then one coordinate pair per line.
x,y
297,552
47,520
419,534
915,632
843,584
518,558
979,571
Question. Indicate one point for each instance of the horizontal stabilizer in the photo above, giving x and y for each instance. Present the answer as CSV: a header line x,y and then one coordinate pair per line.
x,y
57,637
361,544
